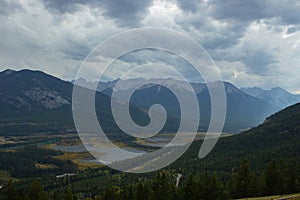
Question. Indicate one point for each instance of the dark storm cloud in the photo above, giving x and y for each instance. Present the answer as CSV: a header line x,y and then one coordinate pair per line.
x,y
224,38
252,38
126,12
293,29
238,10
188,6
247,11
238,16
218,34
259,61
65,5
76,51
223,42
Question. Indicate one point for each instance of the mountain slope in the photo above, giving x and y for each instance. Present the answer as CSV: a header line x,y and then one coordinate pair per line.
x,y
32,101
32,91
278,138
243,110
253,91
280,97
276,96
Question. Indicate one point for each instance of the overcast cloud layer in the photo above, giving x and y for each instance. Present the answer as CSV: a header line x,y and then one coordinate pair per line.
x,y
254,43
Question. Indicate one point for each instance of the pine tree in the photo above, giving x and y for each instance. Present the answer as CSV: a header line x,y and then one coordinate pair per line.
x,y
271,178
203,186
112,193
231,185
253,186
55,195
161,189
291,181
10,190
131,194
69,195
36,192
142,192
123,194
243,179
191,191
215,189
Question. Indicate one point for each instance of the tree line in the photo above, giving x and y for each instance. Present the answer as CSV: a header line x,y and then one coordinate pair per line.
x,y
277,178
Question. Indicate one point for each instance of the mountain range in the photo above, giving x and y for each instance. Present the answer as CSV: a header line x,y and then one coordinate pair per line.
x,y
276,96
243,110
33,101
36,102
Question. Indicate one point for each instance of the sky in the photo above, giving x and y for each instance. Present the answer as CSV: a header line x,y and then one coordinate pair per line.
x,y
253,43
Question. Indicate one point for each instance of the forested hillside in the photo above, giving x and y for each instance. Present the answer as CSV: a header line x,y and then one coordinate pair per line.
x,y
261,161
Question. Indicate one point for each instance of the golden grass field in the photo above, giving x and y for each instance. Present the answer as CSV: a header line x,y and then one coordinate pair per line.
x,y
78,158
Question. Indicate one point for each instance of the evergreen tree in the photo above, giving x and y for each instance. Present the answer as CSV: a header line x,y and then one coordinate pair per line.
x,y
131,194
111,193
231,185
55,196
36,192
215,189
23,195
124,194
291,177
69,195
142,192
10,190
253,186
161,189
191,191
203,186
271,179
243,179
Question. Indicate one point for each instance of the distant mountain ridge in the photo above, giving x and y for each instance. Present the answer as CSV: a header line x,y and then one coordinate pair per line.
x,y
276,96
244,111
34,96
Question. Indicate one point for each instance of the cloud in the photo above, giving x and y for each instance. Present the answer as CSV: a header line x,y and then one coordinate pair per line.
x,y
8,7
259,61
286,11
189,6
66,5
251,40
125,12
56,43
149,56
256,50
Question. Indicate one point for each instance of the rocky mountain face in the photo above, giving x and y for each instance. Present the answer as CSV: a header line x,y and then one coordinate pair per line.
x,y
50,99
27,90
